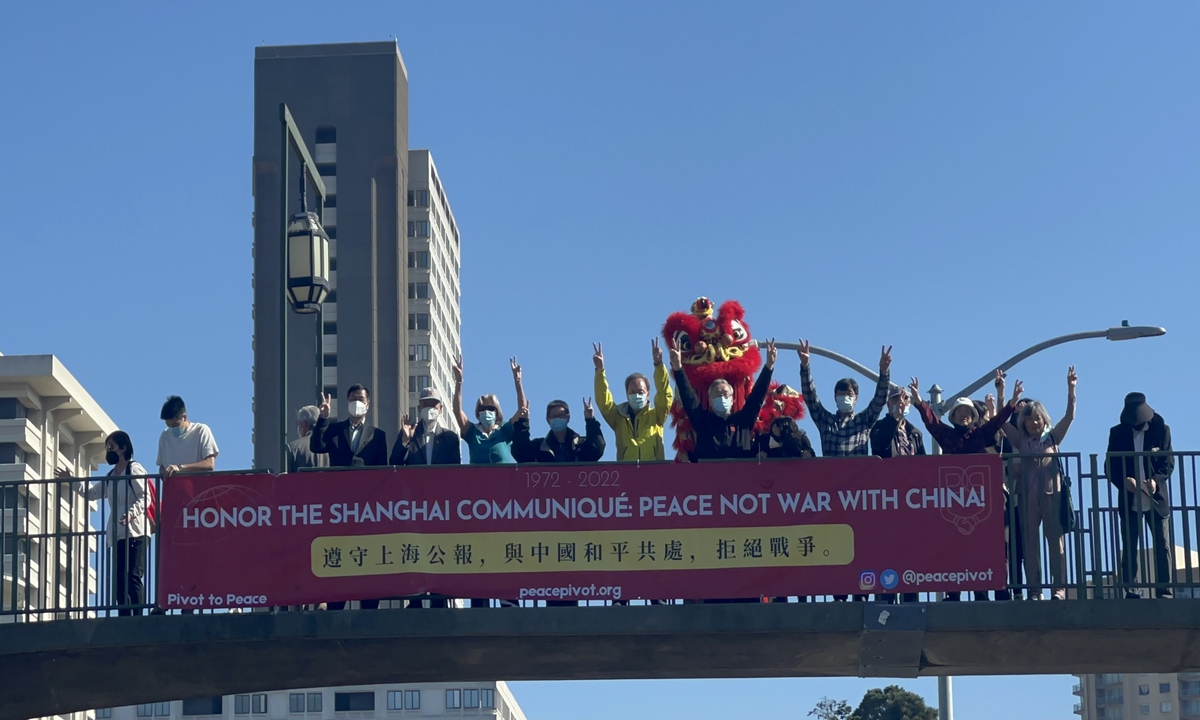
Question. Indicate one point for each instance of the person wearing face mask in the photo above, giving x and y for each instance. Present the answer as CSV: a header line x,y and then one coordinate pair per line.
x,y
636,423
353,442
184,446
720,431
785,439
1037,480
844,434
300,454
127,529
893,435
489,441
1141,482
427,443
561,444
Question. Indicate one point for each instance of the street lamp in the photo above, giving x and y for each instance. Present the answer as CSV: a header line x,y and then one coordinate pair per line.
x,y
304,262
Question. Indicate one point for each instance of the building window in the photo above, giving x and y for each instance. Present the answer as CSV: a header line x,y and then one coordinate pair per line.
x,y
412,699
1189,687
1164,707
1143,689
487,698
1143,709
395,699
315,702
423,228
248,704
410,198
418,321
1164,687
296,703
330,328
418,353
103,713
453,699
326,134
470,698
330,360
11,454
202,706
1108,678
423,198
418,259
241,704
11,409
422,382
344,702
412,228
418,291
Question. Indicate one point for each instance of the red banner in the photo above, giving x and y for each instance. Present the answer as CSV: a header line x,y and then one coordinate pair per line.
x,y
585,532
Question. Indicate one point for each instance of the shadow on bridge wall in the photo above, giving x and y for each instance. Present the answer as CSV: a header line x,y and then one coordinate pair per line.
x,y
63,666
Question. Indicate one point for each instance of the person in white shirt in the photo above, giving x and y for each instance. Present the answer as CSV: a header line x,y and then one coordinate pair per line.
x,y
184,446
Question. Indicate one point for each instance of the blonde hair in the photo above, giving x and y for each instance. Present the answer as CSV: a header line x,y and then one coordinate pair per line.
x,y
492,400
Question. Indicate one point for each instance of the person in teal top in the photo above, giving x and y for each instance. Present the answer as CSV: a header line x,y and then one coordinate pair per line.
x,y
489,440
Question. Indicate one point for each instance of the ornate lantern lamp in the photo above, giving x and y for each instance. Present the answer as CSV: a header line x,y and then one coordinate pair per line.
x,y
308,257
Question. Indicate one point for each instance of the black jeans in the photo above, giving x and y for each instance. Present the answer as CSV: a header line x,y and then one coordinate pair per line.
x,y
1133,523
129,567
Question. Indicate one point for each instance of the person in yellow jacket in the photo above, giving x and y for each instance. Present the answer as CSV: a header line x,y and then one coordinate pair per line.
x,y
637,424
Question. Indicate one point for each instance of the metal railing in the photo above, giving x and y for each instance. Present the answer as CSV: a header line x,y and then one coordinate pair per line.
x,y
63,559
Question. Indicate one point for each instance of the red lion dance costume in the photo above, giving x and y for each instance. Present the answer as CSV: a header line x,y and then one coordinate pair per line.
x,y
720,347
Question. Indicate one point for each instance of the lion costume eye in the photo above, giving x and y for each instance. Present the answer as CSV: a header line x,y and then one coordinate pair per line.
x,y
738,331
683,342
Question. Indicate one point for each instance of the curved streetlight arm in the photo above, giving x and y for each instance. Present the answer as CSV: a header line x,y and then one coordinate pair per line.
x,y
855,366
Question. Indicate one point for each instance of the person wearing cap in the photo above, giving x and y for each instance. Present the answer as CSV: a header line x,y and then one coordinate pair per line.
x,y
893,435
489,441
637,423
425,443
300,454
844,434
964,435
1142,484
1037,480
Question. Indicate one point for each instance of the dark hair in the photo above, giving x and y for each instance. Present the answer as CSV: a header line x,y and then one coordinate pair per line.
x,y
558,403
637,376
358,386
846,384
173,408
120,438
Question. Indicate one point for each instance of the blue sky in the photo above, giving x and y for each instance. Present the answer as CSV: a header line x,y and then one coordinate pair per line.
x,y
958,181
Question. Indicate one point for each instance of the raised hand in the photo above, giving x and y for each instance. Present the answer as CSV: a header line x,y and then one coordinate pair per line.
x,y
1000,378
914,387
655,351
598,355
989,402
407,430
516,368
1072,378
676,357
885,359
1017,390
458,370
772,353
803,351
326,399
522,412
589,412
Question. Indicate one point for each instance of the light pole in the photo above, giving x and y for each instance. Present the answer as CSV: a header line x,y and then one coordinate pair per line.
x,y
304,261
1122,332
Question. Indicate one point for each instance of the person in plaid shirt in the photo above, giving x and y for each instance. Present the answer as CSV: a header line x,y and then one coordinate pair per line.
x,y
844,434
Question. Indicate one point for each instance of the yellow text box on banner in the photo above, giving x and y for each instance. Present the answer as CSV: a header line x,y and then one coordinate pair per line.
x,y
567,551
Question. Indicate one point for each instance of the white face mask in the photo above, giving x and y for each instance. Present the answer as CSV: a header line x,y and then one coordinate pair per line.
x,y
899,412
429,415
845,403
637,400
357,408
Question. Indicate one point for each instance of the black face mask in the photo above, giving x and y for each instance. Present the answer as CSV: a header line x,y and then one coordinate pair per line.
x,y
112,458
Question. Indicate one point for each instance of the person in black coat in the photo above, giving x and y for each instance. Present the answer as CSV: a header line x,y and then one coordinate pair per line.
x,y
354,442
1142,484
425,443
784,440
720,432
893,435
561,444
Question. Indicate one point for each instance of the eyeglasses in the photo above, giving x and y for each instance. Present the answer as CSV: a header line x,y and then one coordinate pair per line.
x,y
483,408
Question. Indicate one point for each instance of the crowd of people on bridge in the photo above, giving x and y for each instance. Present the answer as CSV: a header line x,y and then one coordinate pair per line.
x,y
1017,426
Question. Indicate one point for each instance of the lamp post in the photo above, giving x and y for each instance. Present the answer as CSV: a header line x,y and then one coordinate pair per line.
x,y
1122,332
304,261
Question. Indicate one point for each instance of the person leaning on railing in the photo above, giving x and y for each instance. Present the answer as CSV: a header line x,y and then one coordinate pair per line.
x,y
1038,485
127,528
637,424
1142,482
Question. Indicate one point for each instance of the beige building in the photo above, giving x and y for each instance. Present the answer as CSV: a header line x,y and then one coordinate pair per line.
x,y
47,422
491,700
1149,696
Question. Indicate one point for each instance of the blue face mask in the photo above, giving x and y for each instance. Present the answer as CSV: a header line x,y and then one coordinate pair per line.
x,y
722,405
487,418
178,430
845,403
559,424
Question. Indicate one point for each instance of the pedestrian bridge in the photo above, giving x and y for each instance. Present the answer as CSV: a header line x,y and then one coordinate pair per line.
x,y
69,665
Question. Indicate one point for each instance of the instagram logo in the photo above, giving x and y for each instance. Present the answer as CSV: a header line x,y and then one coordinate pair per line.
x,y
866,580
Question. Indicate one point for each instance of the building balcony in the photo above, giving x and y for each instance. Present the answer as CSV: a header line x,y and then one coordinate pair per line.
x,y
1076,690
1078,709
23,433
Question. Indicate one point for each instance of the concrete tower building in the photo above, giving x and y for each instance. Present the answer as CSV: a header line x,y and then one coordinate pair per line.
x,y
350,103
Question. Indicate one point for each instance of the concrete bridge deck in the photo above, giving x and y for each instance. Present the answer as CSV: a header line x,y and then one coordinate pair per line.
x,y
69,665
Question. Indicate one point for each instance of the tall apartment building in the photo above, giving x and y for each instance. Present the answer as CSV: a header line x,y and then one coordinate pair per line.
x,y
434,324
350,104
47,422
1145,696
491,700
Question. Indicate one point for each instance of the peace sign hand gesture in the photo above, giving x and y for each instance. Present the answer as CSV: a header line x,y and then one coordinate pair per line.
x,y
407,430
458,370
885,359
914,387
516,368
655,351
804,350
676,357
598,355
589,412
772,353
326,400
1072,378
